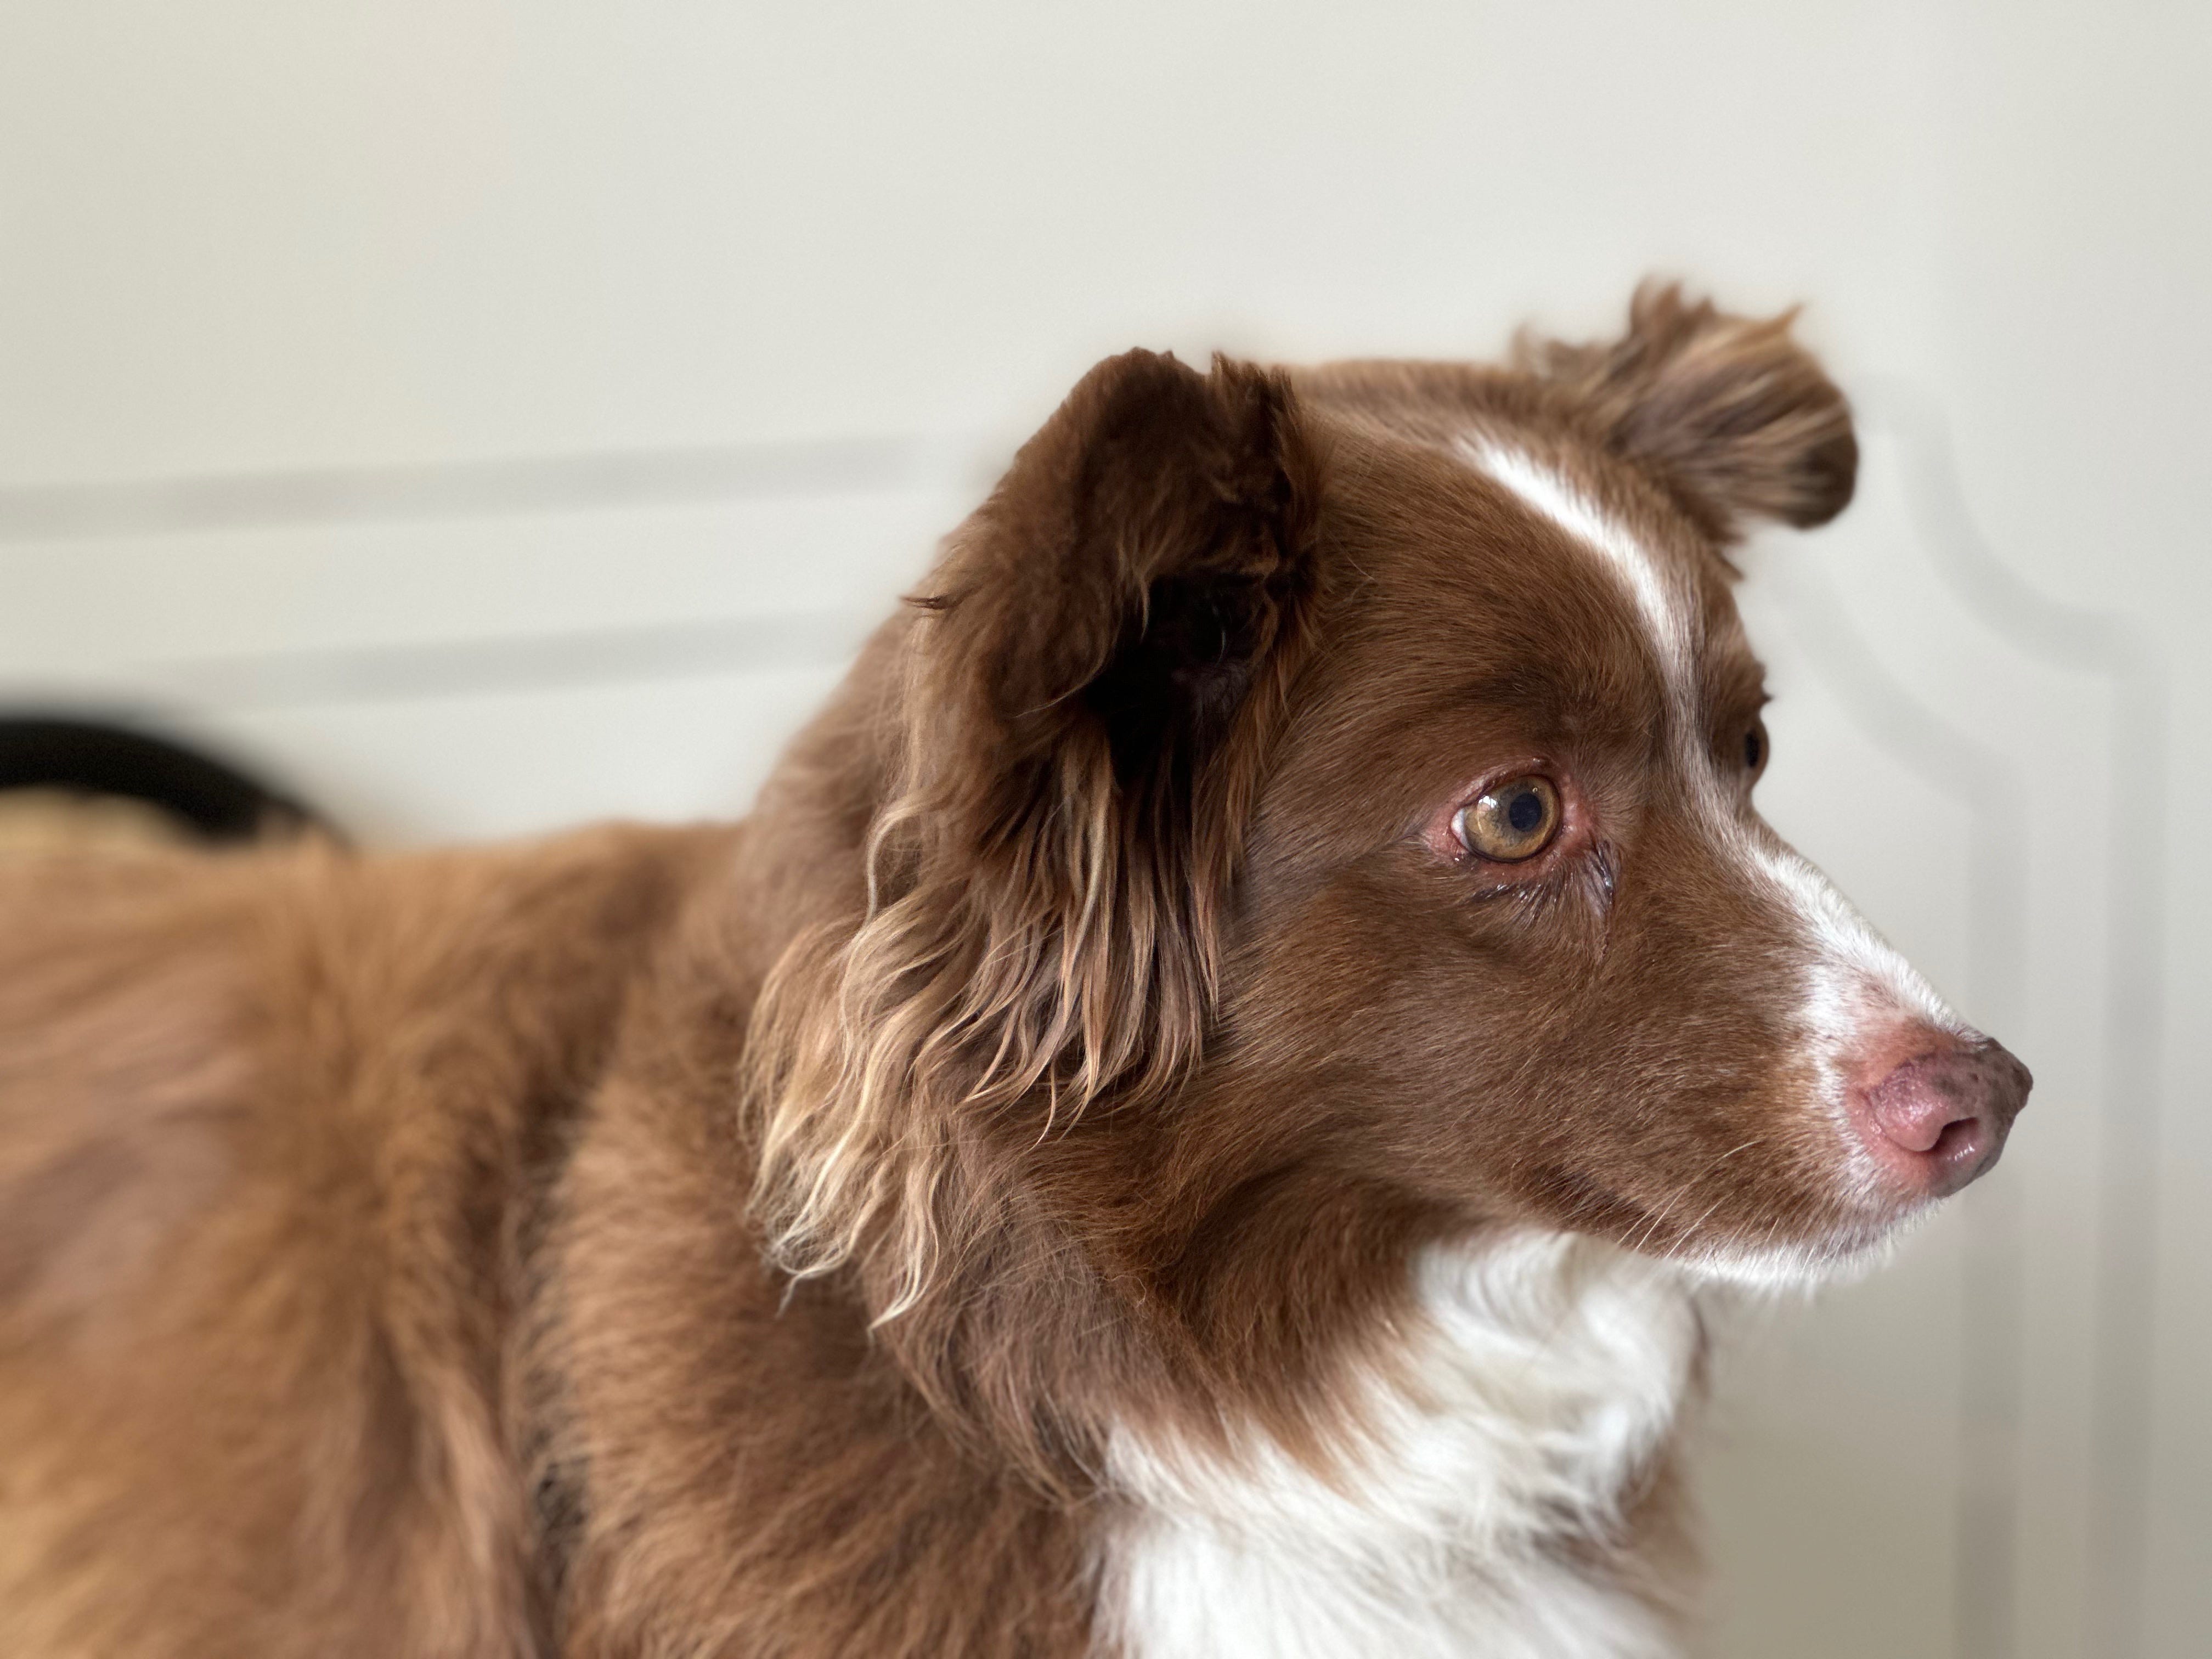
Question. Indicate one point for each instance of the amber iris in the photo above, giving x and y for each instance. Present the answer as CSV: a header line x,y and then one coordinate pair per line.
x,y
1510,821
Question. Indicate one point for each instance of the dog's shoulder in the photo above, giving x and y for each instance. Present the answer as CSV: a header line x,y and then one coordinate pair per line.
x,y
269,1125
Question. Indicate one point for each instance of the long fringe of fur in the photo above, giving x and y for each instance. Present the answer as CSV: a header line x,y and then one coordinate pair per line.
x,y
871,1045
1043,925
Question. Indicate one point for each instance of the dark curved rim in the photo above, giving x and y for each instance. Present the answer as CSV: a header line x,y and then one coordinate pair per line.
x,y
216,801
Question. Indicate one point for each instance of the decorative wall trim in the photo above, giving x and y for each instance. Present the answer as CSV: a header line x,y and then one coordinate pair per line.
x,y
530,484
2117,650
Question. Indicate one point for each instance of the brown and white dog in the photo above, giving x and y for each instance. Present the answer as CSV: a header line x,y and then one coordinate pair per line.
x,y
1191,1121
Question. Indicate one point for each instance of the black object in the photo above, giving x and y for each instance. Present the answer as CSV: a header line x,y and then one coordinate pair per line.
x,y
215,801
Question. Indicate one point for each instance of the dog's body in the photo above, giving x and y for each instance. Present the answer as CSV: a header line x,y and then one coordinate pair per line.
x,y
1190,1121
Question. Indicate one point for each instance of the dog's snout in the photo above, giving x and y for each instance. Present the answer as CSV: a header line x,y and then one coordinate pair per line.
x,y
1940,1118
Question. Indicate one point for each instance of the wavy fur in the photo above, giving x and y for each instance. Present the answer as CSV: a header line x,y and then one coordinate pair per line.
x,y
1087,692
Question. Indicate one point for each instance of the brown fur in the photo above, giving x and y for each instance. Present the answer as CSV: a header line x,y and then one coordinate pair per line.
x,y
741,1241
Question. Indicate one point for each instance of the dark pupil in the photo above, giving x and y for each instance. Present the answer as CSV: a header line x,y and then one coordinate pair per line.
x,y
1751,749
1524,811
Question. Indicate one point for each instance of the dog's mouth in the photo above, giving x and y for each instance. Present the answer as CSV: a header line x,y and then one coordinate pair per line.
x,y
1843,1254
1921,1117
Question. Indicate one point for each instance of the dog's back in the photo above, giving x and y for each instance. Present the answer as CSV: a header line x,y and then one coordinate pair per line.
x,y
273,1128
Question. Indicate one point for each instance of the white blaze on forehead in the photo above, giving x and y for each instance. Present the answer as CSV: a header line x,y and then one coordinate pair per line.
x,y
1655,591
1860,973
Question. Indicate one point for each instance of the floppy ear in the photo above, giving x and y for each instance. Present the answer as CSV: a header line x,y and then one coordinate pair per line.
x,y
1089,689
1117,597
1730,413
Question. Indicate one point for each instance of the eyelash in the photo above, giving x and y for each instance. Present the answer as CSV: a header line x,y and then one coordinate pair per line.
x,y
1590,877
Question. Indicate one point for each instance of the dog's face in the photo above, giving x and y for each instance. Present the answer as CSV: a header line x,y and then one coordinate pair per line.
x,y
1350,775
1513,919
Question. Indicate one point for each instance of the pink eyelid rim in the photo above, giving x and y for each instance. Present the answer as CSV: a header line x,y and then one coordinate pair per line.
x,y
1574,816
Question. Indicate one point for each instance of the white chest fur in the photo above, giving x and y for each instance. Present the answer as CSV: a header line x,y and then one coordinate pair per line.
x,y
1544,1371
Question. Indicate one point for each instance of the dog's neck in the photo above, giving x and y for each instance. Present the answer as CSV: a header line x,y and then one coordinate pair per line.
x,y
1292,1319
1477,1469
1102,1290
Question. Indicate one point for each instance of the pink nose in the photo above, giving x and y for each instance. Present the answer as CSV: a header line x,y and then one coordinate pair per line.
x,y
1940,1118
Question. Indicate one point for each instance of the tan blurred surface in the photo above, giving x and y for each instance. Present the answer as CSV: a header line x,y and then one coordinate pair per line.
x,y
59,820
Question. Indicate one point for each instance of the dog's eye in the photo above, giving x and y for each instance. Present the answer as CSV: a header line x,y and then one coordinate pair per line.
x,y
1514,820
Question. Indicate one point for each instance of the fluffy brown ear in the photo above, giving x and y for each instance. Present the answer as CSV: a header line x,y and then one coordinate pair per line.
x,y
1100,657
1117,597
1730,413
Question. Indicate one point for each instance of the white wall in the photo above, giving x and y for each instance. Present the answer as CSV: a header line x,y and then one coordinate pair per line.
x,y
305,312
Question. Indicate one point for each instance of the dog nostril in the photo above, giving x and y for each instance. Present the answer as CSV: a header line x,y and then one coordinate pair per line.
x,y
1921,1102
1961,1138
1940,1118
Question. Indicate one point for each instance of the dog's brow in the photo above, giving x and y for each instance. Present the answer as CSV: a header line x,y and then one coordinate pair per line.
x,y
1666,617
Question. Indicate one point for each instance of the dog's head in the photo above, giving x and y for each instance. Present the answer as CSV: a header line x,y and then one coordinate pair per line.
x,y
1353,771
